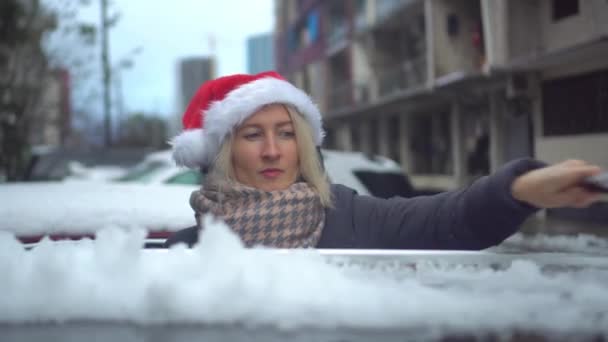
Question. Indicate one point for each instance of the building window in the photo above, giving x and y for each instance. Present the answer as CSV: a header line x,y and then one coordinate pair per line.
x,y
564,9
576,105
312,23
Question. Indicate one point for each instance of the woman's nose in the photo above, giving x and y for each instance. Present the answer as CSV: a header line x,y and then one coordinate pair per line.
x,y
271,149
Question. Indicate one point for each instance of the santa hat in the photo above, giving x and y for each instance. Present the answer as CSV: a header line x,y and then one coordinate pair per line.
x,y
220,105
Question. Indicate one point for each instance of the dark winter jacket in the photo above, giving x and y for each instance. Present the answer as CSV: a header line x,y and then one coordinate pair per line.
x,y
477,217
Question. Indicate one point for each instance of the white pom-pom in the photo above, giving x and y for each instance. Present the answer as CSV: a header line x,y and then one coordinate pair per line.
x,y
189,148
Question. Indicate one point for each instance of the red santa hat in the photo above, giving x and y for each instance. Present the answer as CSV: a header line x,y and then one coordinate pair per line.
x,y
220,105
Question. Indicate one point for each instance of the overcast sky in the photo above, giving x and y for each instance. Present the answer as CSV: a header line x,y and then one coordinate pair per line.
x,y
177,29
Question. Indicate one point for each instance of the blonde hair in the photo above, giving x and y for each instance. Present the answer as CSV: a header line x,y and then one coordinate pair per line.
x,y
310,166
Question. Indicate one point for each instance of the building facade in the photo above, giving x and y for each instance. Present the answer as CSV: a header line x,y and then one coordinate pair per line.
x,y
452,89
260,53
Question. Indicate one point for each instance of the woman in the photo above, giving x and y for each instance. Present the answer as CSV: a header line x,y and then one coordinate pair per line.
x,y
258,137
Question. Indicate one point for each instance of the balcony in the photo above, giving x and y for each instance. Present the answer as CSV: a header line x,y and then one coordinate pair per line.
x,y
336,39
407,74
385,8
347,95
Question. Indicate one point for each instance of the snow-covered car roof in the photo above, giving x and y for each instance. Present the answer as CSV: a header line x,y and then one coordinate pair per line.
x,y
77,208
220,285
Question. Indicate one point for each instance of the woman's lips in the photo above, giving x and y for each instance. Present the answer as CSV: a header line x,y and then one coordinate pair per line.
x,y
271,173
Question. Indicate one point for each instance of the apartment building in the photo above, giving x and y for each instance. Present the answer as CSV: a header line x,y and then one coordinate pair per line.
x,y
453,89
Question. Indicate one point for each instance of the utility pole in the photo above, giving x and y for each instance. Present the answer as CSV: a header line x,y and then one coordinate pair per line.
x,y
105,62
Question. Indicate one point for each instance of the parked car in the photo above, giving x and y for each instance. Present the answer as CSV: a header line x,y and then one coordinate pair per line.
x,y
159,168
73,210
58,163
154,195
79,172
368,175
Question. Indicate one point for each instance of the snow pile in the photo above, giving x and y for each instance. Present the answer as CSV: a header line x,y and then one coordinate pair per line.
x,y
220,282
580,243
86,207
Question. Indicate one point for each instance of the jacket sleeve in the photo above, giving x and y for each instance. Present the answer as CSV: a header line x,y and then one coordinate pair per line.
x,y
189,236
477,217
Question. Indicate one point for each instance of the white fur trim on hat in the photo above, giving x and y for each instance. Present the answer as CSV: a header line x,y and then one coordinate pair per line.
x,y
196,148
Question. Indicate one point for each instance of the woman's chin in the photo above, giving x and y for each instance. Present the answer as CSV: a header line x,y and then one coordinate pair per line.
x,y
273,185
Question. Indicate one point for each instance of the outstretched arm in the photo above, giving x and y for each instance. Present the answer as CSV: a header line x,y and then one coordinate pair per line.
x,y
477,217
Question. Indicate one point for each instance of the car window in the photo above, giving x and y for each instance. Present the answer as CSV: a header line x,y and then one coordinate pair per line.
x,y
188,177
143,172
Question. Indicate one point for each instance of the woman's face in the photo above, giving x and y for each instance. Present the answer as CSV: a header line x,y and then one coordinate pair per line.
x,y
264,151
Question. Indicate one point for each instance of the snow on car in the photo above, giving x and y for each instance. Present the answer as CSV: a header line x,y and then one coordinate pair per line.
x,y
223,287
77,209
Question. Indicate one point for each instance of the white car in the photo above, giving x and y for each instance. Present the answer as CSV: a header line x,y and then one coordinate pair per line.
x,y
368,175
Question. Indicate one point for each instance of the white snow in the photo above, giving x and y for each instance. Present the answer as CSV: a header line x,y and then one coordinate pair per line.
x,y
579,243
220,282
86,207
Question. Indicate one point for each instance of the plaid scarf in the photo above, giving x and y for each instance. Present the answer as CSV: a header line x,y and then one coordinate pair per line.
x,y
290,218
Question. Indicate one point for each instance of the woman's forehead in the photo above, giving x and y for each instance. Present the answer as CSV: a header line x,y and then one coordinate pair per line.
x,y
274,114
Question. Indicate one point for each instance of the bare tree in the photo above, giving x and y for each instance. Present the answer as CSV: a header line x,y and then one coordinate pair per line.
x,y
73,46
143,130
22,61
26,65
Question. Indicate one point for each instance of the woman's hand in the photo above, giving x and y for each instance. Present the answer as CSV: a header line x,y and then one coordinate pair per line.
x,y
558,185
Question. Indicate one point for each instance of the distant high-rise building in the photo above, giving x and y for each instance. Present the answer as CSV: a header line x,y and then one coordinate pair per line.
x,y
260,53
192,73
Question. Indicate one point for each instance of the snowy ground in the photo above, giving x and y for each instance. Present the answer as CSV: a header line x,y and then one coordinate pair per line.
x,y
222,284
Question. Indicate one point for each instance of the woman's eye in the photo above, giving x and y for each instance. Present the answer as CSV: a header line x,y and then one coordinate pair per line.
x,y
287,134
251,136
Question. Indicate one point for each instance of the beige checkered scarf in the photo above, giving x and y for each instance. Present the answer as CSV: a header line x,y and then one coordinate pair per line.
x,y
290,218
